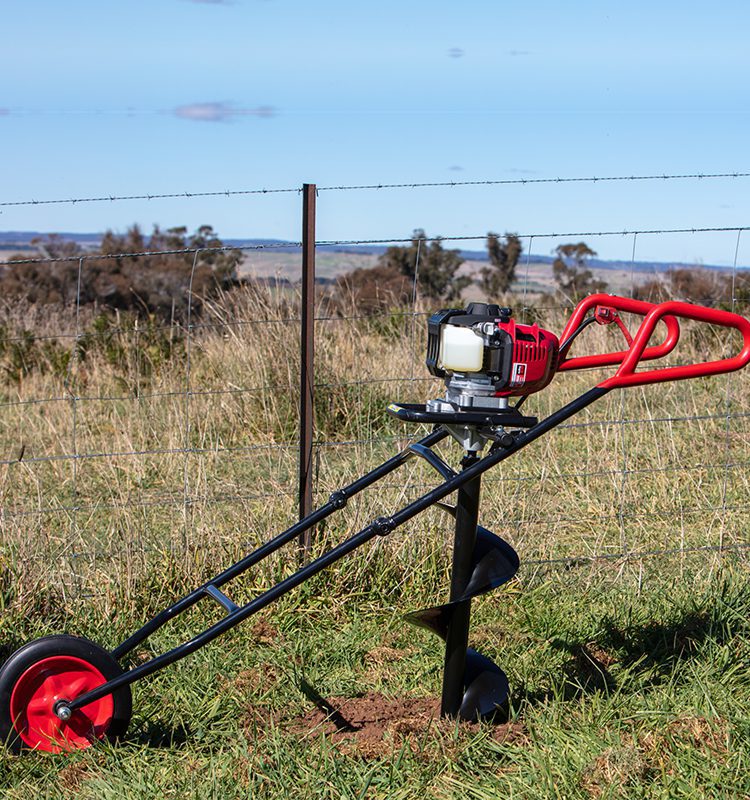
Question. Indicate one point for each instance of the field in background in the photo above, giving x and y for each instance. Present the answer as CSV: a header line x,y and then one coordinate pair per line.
x,y
534,278
629,670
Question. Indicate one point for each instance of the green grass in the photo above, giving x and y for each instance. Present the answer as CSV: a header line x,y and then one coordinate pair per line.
x,y
625,684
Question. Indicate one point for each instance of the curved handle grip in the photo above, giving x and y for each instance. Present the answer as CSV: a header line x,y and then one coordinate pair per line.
x,y
621,304
626,374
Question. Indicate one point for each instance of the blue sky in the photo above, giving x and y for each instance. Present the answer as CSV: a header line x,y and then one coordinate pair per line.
x,y
178,95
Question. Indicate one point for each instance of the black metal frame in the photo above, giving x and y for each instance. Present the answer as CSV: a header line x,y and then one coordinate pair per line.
x,y
467,482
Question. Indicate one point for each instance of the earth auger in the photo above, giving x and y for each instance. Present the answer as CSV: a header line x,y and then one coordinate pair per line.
x,y
65,692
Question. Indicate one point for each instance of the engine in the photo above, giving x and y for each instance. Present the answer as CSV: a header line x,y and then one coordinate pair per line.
x,y
486,357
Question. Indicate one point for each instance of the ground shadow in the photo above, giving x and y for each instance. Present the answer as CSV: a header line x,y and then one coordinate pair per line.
x,y
586,672
653,650
658,646
325,707
156,735
7,648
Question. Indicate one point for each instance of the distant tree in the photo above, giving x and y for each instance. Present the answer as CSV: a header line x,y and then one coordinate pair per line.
x,y
54,246
157,284
435,267
741,290
497,278
375,288
654,290
702,286
570,269
54,282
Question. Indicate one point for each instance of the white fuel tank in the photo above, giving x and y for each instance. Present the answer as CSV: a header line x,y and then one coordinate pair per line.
x,y
461,350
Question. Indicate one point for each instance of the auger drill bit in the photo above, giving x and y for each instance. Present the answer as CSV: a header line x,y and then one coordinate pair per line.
x,y
484,687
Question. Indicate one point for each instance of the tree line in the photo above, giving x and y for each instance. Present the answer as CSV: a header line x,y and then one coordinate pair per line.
x,y
162,285
432,270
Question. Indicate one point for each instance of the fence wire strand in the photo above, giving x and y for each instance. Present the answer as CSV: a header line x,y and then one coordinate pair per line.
x,y
395,240
226,193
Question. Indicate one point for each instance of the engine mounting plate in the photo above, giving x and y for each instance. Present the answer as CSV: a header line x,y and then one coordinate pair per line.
x,y
418,412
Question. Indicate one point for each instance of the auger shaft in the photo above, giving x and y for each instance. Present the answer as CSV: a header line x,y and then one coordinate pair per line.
x,y
457,639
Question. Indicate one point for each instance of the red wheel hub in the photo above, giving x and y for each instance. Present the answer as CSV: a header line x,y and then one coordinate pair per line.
x,y
32,705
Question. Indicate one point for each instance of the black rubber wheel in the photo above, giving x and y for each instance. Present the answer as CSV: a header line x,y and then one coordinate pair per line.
x,y
54,668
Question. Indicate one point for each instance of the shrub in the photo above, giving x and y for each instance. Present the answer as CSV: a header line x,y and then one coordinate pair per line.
x,y
164,285
374,289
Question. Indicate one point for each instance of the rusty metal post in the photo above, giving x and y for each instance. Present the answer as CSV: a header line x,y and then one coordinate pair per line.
x,y
307,374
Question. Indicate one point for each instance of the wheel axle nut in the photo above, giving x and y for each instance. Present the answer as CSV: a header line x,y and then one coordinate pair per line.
x,y
63,711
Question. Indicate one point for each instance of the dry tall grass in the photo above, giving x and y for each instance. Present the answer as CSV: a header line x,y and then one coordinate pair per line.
x,y
185,450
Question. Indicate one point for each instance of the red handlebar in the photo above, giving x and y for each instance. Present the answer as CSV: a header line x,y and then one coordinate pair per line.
x,y
621,304
637,352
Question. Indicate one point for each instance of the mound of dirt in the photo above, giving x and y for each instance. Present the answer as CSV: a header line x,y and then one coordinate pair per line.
x,y
369,717
374,724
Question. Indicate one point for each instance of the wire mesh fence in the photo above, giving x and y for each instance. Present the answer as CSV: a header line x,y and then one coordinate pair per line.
x,y
138,436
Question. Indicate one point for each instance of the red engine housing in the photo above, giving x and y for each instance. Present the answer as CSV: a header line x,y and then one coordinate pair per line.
x,y
534,360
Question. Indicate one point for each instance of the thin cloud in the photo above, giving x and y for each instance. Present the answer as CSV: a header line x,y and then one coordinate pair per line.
x,y
519,52
212,2
456,52
4,112
456,168
221,112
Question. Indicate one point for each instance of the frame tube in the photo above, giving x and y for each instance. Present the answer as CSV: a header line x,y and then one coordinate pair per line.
x,y
338,501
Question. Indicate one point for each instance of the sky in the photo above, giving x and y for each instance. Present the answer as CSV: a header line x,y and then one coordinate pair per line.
x,y
162,96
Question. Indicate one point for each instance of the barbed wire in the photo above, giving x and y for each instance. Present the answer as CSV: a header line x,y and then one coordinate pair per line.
x,y
634,555
179,251
170,502
597,519
185,329
546,235
574,560
540,478
135,331
174,451
145,396
531,181
111,198
156,196
356,242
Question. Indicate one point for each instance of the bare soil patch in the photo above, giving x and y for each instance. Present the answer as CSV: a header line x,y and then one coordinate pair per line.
x,y
374,725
